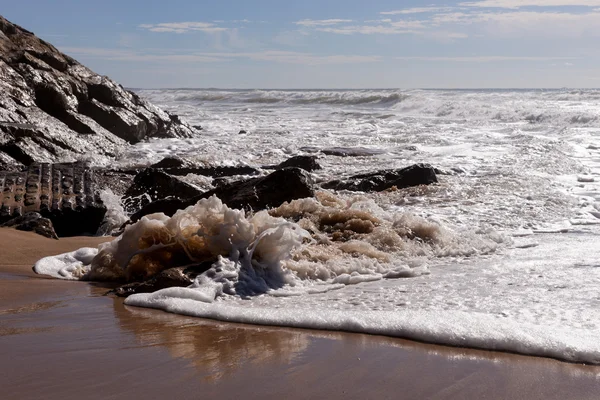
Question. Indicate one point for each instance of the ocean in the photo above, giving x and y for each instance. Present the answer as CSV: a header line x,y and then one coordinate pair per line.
x,y
502,254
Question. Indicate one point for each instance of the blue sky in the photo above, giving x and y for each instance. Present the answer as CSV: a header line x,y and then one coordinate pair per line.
x,y
326,43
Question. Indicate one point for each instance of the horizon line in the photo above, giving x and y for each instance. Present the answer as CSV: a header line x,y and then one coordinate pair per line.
x,y
373,88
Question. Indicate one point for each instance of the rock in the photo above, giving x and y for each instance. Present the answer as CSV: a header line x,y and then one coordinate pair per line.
x,y
253,194
307,163
171,162
345,151
167,206
242,132
153,184
178,166
116,181
172,277
53,108
265,192
414,175
220,171
64,193
33,222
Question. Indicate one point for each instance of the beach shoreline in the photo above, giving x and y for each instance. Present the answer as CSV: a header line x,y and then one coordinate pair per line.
x,y
63,339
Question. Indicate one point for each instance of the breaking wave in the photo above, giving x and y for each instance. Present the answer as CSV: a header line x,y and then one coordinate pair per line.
x,y
342,97
325,240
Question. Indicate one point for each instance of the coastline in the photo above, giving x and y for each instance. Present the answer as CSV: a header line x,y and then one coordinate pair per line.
x,y
66,340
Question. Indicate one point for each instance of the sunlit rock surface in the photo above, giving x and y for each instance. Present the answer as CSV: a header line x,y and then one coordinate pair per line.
x,y
54,109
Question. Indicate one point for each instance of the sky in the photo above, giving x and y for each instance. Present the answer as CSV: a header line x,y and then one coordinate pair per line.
x,y
325,43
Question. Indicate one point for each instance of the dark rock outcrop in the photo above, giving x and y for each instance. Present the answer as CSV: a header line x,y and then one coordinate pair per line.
x,y
265,192
64,193
153,184
414,175
33,222
307,163
53,108
253,194
179,166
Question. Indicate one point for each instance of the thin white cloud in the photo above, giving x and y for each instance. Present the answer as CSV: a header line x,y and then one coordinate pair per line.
x,y
513,4
307,58
137,55
367,30
417,10
183,27
485,18
531,23
483,59
386,27
321,22
189,56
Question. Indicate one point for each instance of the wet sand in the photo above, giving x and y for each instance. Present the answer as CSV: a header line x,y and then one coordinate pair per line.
x,y
65,340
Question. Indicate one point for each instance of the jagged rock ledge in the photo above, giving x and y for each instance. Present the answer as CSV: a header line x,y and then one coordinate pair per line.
x,y
53,109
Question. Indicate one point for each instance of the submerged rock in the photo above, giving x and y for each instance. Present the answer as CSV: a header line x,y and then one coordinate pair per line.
x,y
253,194
172,277
52,107
307,163
345,151
33,222
414,175
64,193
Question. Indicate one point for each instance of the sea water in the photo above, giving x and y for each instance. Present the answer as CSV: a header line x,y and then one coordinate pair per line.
x,y
502,254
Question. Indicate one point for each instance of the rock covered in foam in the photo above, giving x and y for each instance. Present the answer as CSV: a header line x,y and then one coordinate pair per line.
x,y
200,233
172,277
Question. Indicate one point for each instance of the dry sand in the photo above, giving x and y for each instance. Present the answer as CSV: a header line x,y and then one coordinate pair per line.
x,y
65,340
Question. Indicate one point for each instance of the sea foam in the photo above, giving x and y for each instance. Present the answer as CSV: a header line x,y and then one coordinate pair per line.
x,y
329,239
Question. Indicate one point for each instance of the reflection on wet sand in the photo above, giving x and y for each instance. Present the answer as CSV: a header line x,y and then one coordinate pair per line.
x,y
91,346
215,349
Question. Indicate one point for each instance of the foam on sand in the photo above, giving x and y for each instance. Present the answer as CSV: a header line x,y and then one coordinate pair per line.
x,y
307,247
454,328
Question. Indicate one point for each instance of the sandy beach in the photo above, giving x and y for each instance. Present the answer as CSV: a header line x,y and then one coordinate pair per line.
x,y
66,340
